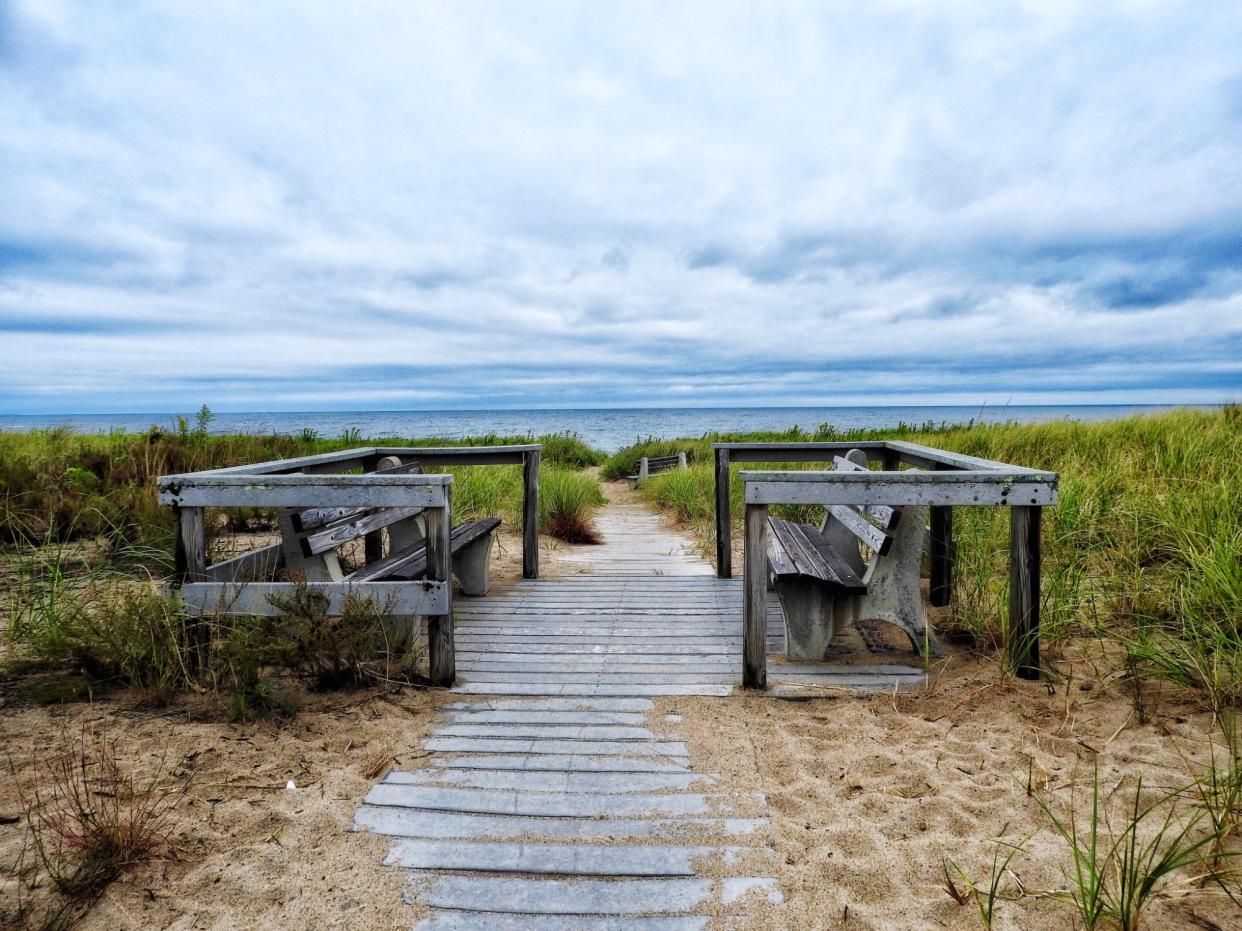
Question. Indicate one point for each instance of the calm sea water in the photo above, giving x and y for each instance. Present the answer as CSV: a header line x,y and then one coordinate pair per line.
x,y
604,429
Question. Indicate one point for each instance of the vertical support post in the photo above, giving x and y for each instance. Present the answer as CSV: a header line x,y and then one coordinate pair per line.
x,y
1023,644
441,654
943,556
681,461
755,599
643,470
190,562
373,542
530,515
724,542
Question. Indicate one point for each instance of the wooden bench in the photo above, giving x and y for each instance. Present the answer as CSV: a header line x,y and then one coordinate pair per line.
x,y
651,465
823,579
310,538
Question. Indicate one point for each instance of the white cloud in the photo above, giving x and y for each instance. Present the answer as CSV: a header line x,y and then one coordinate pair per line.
x,y
265,205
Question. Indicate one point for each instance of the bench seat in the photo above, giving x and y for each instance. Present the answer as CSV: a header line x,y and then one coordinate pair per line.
x,y
652,465
310,539
824,581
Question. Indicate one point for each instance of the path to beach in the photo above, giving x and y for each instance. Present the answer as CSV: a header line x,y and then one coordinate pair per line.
x,y
553,795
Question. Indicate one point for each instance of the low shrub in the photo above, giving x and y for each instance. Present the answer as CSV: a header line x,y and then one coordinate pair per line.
x,y
96,820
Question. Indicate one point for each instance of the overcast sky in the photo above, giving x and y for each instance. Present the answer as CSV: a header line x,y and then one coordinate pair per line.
x,y
397,205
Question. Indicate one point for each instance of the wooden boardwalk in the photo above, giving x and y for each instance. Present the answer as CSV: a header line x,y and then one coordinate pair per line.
x,y
553,796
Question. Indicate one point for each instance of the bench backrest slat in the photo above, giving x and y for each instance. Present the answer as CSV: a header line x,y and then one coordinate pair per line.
x,y
874,533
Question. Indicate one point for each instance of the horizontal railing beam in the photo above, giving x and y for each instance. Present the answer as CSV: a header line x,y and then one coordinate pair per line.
x,y
304,491
390,598
900,489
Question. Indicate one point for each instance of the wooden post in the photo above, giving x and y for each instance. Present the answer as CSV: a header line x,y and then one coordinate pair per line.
x,y
190,561
373,542
530,515
943,555
643,470
755,599
1023,644
191,545
724,543
681,461
441,655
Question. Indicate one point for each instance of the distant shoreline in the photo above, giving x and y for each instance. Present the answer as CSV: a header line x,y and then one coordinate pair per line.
x,y
608,429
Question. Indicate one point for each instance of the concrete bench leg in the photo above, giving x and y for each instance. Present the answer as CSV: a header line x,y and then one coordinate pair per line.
x,y
810,623
894,593
472,566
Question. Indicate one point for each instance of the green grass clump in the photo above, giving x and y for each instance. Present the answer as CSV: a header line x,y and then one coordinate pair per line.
x,y
566,502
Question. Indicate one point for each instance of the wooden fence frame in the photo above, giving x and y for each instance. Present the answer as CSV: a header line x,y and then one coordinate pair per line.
x,y
367,458
938,479
317,481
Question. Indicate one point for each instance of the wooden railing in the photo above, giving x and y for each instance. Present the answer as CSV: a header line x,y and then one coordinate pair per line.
x,y
245,584
938,479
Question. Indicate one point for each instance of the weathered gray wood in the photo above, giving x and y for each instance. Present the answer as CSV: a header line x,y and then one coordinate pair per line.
x,y
258,565
414,822
554,704
530,513
930,457
190,556
304,491
255,597
608,690
562,859
798,452
539,804
724,529
552,781
896,489
585,896
662,748
339,533
559,762
442,661
443,456
559,731
1024,558
412,563
341,460
754,606
490,921
943,555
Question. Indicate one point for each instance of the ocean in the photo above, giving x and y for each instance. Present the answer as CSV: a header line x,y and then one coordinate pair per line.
x,y
606,429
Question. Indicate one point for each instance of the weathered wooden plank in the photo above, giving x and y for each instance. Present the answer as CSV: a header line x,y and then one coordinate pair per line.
x,y
335,535
304,491
540,804
342,460
412,563
490,921
553,704
546,859
256,565
414,822
610,690
1024,568
661,748
559,762
585,896
398,598
896,489
597,678
875,538
940,457
551,781
555,731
